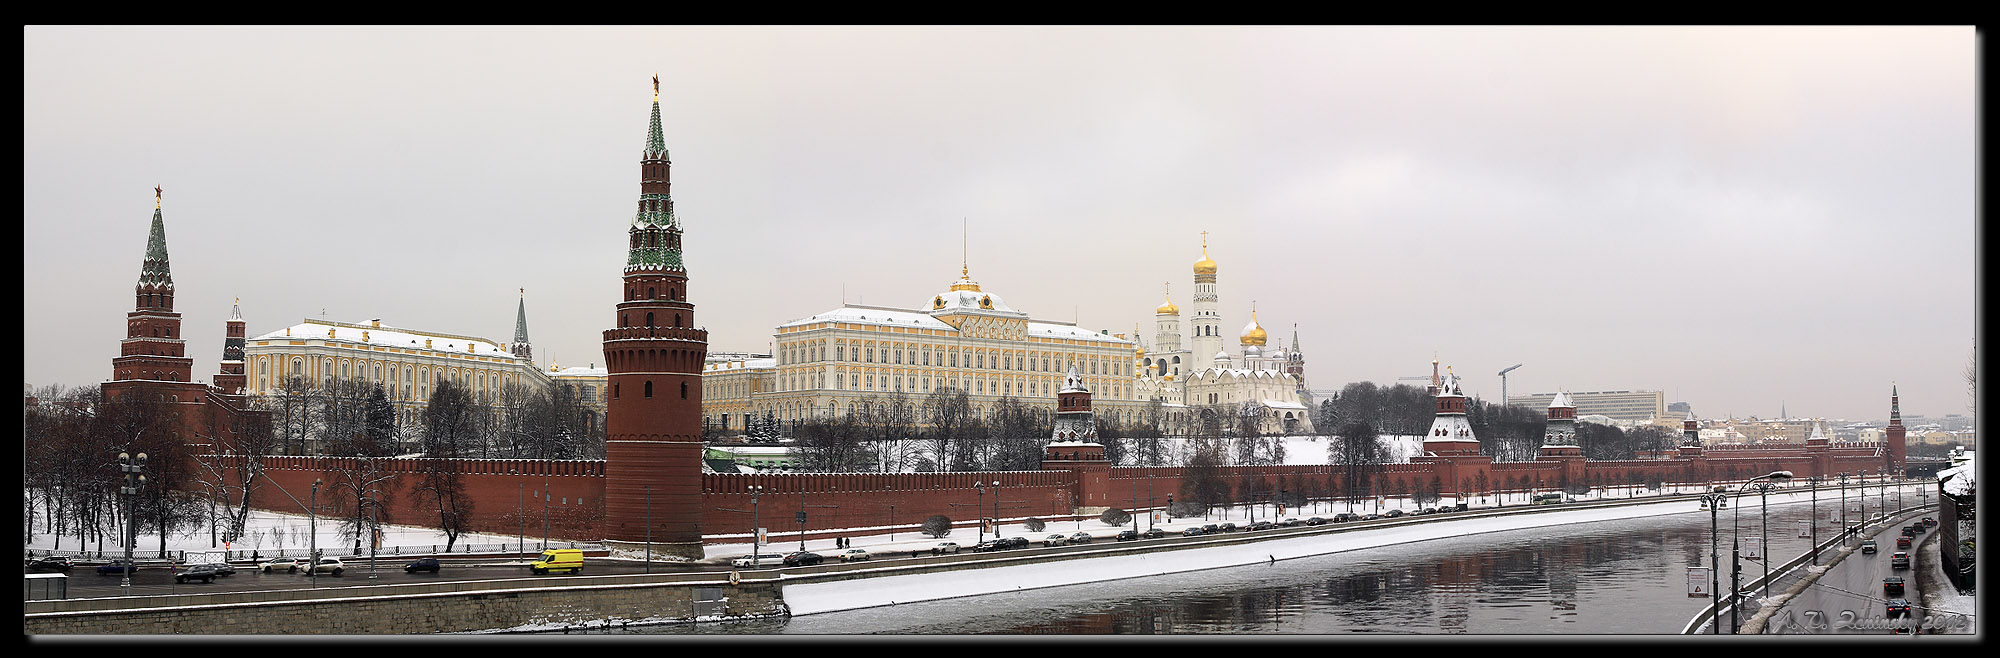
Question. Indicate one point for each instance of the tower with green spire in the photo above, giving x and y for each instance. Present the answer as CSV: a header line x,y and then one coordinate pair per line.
x,y
652,423
153,348
521,348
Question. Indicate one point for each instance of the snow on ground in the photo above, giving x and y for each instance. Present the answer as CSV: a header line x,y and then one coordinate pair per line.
x,y
268,533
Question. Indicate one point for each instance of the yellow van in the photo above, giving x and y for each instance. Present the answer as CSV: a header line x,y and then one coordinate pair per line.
x,y
558,559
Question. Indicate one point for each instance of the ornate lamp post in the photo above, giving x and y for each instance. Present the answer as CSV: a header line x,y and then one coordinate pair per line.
x,y
996,509
1736,548
1714,501
981,510
1845,532
133,466
756,538
312,528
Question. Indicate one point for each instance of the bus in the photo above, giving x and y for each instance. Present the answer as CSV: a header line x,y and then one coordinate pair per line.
x,y
1548,499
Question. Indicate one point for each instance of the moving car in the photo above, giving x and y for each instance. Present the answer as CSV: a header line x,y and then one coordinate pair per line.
x,y
803,559
1899,560
945,548
1080,538
1228,527
1868,546
1128,535
855,555
422,564
61,563
1153,533
1396,513
1192,532
558,559
224,569
1316,521
1014,542
1055,540
1902,543
1291,522
1892,586
1898,608
762,560
1930,522
204,572
1917,528
1261,525
285,564
1211,529
116,566
330,565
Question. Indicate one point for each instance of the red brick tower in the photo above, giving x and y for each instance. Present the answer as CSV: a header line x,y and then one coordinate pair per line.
x,y
1073,443
653,420
231,378
1895,433
153,348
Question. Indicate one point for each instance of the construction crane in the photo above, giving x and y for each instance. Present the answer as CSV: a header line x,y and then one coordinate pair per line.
x,y
1503,383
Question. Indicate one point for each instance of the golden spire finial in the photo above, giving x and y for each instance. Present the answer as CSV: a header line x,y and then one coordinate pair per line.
x,y
656,87
964,249
156,197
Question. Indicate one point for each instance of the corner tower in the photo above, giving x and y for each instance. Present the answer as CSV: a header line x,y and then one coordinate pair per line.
x,y
654,358
231,378
153,348
1894,433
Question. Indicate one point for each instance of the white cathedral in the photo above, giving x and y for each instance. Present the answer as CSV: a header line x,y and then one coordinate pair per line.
x,y
1203,378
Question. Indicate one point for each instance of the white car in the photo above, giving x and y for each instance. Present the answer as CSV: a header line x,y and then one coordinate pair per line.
x,y
285,564
854,555
1056,540
763,560
330,565
945,548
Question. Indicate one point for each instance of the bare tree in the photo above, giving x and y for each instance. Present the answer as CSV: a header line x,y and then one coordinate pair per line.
x,y
1358,450
295,405
948,413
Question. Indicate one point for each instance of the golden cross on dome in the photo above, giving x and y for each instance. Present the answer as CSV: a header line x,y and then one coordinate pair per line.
x,y
156,196
656,86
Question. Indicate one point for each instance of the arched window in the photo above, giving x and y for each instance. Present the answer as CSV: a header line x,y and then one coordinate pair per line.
x,y
684,390
649,388
651,293
649,318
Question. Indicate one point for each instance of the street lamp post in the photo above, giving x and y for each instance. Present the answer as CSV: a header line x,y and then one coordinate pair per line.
x,y
133,466
1714,501
1814,519
996,509
1149,504
520,514
756,530
892,522
546,467
1764,529
649,528
312,528
1736,549
1845,534
980,510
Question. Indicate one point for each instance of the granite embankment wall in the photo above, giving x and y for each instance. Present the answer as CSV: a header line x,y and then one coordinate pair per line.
x,y
390,610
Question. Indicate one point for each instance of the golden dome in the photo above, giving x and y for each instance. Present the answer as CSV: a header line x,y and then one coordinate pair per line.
x,y
1254,333
1204,266
1169,308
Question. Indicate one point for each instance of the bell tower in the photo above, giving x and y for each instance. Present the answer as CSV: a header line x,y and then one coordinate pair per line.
x,y
652,422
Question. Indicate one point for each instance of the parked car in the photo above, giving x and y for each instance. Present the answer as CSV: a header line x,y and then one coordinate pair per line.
x,y
45,563
1899,560
1128,535
1316,521
116,566
204,572
1057,539
1903,543
762,560
855,555
803,559
1192,532
1892,586
1153,533
422,564
330,565
945,548
285,564
1080,538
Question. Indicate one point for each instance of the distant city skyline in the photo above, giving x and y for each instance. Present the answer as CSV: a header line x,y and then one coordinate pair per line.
x,y
1747,219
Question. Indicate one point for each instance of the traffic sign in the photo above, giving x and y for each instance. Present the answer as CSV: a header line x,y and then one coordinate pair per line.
x,y
1698,582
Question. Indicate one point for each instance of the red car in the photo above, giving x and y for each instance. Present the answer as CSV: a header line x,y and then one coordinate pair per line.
x,y
1902,542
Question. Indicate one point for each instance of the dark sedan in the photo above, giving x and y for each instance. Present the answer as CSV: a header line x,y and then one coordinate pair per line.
x,y
1191,532
60,563
203,572
803,559
1128,535
1154,533
116,566
422,564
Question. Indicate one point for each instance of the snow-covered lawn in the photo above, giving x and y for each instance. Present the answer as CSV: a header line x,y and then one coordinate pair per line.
x,y
270,534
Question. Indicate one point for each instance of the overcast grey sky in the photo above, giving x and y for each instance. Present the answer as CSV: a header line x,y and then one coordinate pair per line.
x,y
1742,217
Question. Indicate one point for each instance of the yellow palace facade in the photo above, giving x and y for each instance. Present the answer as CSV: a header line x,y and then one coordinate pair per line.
x,y
854,357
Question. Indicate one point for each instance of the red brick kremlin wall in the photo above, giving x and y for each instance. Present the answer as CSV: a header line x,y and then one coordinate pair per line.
x,y
507,500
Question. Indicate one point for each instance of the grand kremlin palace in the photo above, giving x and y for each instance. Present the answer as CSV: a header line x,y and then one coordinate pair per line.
x,y
843,360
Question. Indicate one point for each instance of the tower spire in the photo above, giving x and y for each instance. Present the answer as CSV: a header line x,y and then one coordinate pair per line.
x,y
521,347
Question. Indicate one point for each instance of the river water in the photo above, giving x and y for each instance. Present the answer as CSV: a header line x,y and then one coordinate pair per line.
x,y
1609,577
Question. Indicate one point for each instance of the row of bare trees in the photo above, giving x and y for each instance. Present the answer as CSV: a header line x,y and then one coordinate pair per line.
x,y
345,417
71,439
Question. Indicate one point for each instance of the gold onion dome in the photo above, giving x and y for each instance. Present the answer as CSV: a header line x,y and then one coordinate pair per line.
x,y
1205,265
1169,308
1254,334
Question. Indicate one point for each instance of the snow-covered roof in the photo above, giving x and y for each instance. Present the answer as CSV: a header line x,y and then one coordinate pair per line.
x,y
578,371
1958,480
1073,381
1281,404
372,332
1074,444
746,364
895,317
1562,401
